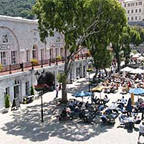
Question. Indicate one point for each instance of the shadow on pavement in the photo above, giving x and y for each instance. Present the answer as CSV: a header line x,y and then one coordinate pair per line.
x,y
80,85
26,123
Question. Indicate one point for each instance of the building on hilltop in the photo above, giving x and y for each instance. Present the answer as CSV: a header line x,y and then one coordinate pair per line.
x,y
134,11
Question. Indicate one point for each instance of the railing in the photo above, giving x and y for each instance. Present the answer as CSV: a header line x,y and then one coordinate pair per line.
x,y
8,69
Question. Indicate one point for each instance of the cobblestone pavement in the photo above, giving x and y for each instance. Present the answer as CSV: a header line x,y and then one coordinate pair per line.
x,y
24,125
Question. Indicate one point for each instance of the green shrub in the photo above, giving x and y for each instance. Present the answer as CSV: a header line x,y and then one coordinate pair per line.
x,y
7,101
87,54
59,58
32,90
61,77
0,66
34,62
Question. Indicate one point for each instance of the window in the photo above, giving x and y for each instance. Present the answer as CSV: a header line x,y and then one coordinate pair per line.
x,y
136,18
136,3
128,5
139,17
27,90
34,52
136,10
7,90
139,10
3,58
42,54
131,11
27,55
132,4
128,11
131,18
124,5
13,57
128,18
140,3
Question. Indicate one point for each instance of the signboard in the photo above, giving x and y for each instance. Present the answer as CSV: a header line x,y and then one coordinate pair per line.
x,y
4,46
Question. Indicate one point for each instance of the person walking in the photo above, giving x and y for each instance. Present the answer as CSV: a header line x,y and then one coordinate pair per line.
x,y
57,90
141,130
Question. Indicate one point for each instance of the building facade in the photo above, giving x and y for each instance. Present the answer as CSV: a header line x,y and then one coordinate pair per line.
x,y
134,10
19,43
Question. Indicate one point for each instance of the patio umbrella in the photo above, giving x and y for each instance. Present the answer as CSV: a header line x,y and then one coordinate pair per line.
x,y
137,91
138,70
97,89
126,69
82,94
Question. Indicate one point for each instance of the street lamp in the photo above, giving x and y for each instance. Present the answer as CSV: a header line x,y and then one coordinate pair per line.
x,y
37,74
89,70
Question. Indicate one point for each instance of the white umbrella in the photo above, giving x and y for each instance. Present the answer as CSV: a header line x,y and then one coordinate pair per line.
x,y
126,69
136,55
136,71
141,58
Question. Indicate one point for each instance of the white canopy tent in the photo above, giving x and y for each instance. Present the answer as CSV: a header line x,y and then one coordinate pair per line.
x,y
137,55
126,69
137,71
141,58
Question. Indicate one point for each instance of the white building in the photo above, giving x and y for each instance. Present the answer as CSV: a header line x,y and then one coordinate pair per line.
x,y
19,43
134,10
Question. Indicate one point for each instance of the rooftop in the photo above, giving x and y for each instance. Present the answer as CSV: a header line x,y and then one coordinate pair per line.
x,y
17,19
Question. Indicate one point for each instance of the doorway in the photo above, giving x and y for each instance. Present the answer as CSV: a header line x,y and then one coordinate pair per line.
x,y
16,91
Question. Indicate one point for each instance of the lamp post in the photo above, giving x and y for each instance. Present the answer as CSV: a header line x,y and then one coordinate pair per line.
x,y
37,74
89,70
89,81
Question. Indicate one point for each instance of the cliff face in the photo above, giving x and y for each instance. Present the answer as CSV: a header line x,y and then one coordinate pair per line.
x,y
17,8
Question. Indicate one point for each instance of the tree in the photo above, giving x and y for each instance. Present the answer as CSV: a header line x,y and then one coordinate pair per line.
x,y
46,78
121,45
77,20
102,57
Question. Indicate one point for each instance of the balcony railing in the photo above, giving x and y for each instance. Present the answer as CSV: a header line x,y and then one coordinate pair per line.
x,y
8,69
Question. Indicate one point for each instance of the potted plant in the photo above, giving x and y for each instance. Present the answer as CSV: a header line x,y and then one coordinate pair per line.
x,y
32,90
0,66
34,62
7,103
87,54
59,58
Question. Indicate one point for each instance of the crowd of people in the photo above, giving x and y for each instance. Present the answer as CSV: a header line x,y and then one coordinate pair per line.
x,y
128,114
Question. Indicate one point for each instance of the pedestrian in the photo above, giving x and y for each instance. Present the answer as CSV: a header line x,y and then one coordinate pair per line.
x,y
57,90
59,86
141,130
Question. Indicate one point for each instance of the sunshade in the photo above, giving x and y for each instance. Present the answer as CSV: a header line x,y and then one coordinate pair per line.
x,y
82,94
126,69
97,89
136,91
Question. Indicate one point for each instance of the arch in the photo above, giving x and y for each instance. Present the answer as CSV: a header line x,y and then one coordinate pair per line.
x,y
3,27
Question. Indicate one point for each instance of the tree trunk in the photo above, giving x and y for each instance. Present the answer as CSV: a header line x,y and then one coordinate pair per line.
x,y
64,84
105,72
64,93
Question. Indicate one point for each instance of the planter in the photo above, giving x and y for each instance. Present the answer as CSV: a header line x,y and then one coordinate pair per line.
x,y
42,87
38,89
5,110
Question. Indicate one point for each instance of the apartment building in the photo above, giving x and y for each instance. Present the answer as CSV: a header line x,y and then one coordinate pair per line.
x,y
134,10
